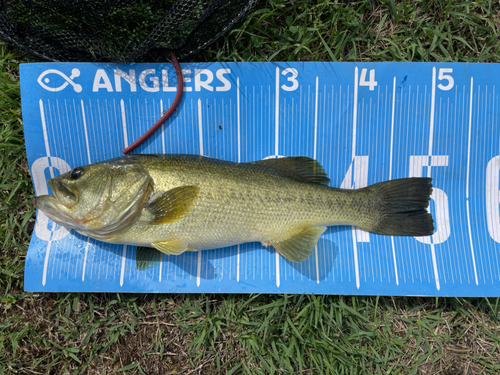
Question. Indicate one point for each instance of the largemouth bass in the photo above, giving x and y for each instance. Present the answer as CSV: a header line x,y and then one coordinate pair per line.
x,y
176,203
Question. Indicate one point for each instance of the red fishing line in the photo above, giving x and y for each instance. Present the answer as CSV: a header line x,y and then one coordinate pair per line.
x,y
178,96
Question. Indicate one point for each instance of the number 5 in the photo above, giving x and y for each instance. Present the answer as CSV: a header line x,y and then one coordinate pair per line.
x,y
440,198
447,77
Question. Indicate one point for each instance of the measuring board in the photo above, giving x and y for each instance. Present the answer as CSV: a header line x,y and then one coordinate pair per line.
x,y
365,123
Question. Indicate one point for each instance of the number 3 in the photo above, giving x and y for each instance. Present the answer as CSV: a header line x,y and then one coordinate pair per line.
x,y
295,83
447,77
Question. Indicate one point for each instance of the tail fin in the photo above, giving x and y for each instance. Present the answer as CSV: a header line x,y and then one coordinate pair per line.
x,y
402,205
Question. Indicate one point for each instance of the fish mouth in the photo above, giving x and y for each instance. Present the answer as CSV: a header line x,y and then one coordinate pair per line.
x,y
54,210
62,193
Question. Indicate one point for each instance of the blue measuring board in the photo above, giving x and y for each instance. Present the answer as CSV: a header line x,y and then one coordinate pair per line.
x,y
365,123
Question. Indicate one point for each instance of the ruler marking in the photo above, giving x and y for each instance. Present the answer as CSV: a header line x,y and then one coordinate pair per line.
x,y
354,120
433,108
467,180
45,136
354,113
391,153
124,257
443,141
124,122
200,131
238,122
314,157
99,111
462,116
415,121
441,256
408,108
54,163
431,138
277,112
276,152
51,171
162,128
125,139
77,139
160,272
200,127
315,120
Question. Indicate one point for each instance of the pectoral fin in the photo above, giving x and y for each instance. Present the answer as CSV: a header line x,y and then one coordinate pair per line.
x,y
146,258
171,247
174,205
299,246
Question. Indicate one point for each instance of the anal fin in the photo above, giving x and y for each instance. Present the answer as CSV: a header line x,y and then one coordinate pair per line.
x,y
174,247
299,246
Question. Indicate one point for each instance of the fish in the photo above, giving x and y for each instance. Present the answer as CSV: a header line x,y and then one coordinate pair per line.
x,y
176,203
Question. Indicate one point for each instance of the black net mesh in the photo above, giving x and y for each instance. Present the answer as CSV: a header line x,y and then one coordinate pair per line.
x,y
116,30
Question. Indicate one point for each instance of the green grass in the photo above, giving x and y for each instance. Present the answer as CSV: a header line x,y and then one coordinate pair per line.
x,y
101,333
258,334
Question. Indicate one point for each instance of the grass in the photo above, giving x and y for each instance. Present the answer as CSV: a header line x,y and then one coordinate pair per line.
x,y
209,334
257,334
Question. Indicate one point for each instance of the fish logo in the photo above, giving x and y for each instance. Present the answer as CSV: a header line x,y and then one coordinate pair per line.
x,y
69,80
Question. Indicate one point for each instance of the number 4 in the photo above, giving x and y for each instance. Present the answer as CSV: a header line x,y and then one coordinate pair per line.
x,y
371,83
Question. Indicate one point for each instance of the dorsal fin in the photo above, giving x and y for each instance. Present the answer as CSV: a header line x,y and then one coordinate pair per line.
x,y
298,168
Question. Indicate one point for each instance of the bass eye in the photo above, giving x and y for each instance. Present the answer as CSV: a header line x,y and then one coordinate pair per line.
x,y
76,173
